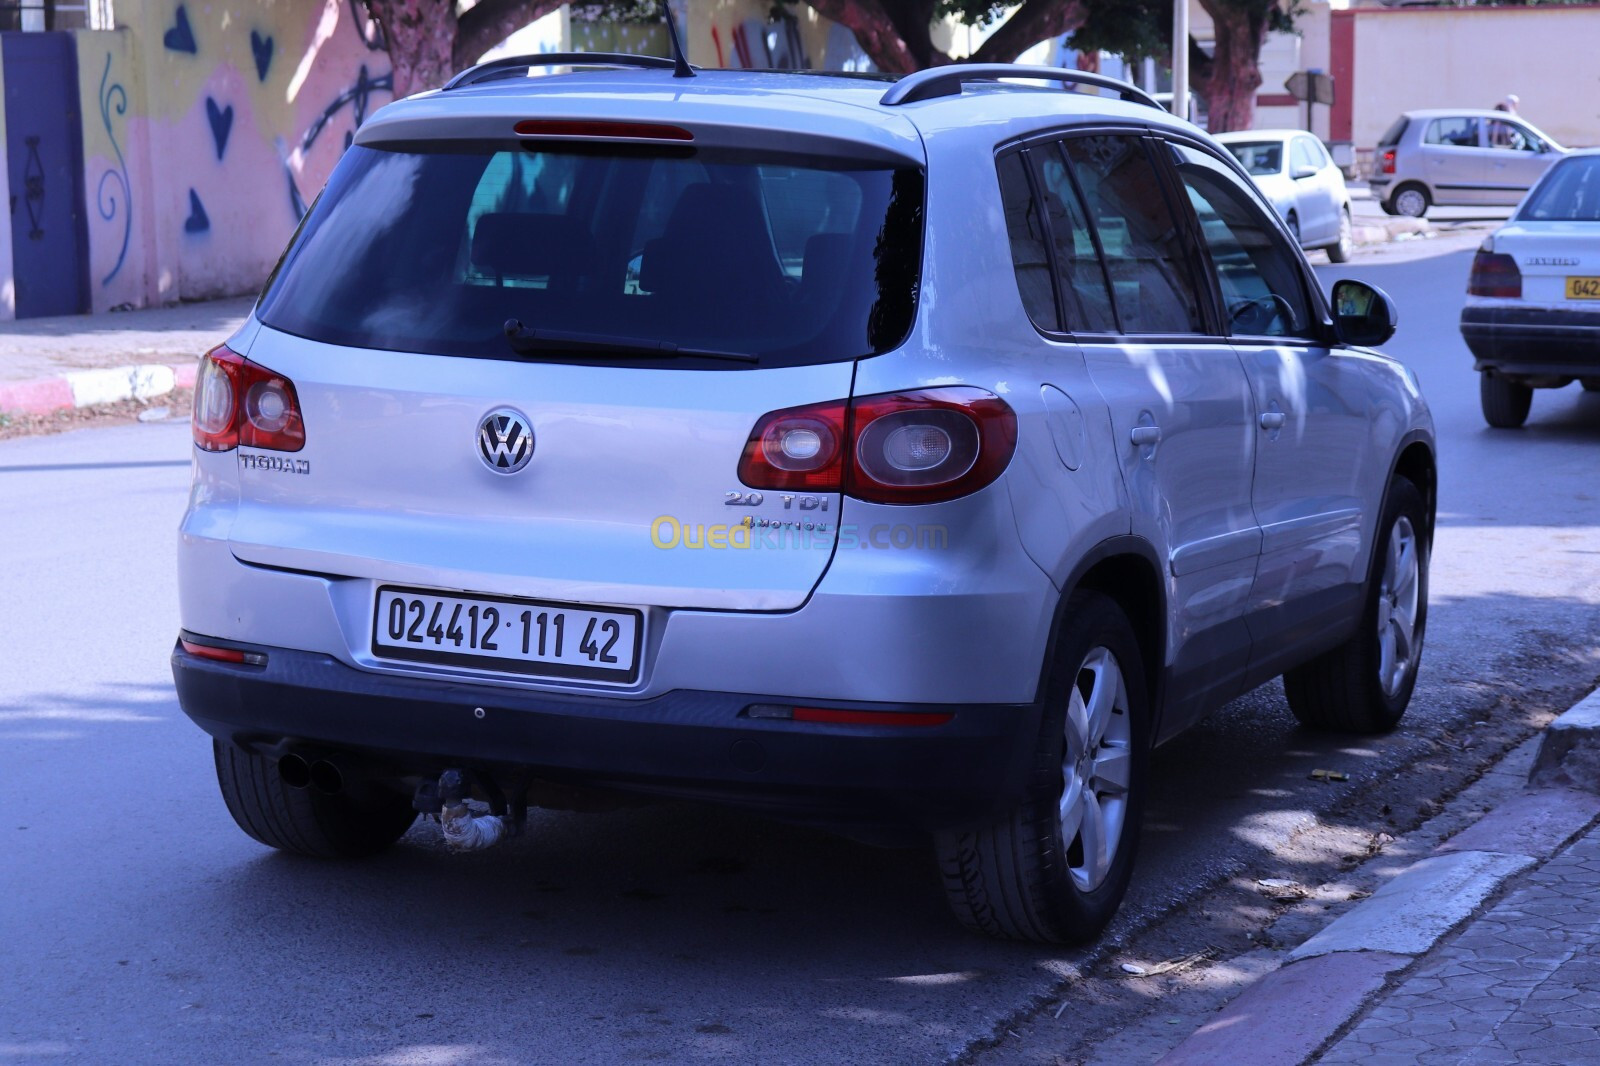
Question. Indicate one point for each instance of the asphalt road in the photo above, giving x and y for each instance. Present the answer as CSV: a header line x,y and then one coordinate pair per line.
x,y
139,925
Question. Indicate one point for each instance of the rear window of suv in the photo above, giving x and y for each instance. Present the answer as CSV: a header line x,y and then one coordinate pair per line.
x,y
444,247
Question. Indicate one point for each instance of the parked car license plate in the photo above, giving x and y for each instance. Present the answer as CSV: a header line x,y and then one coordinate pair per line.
x,y
1583,288
531,637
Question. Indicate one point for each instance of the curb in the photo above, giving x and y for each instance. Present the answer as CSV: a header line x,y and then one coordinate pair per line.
x,y
87,388
1391,229
1284,1017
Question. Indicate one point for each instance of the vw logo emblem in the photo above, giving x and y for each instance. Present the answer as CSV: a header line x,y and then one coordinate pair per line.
x,y
505,440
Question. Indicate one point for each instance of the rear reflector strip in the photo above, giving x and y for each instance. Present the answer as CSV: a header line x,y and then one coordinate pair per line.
x,y
595,129
223,655
834,716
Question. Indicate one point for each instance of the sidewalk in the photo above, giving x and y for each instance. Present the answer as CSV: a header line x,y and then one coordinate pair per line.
x,y
48,364
1486,951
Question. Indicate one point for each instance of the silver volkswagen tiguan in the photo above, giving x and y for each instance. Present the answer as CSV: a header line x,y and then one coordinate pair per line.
x,y
904,457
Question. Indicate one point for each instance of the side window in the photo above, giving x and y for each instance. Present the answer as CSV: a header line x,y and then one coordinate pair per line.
x,y
1510,136
1263,292
1152,279
1025,227
1079,275
1303,156
1461,132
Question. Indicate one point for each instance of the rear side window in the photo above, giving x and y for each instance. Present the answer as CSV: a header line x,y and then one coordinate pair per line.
x,y
1392,135
1152,279
433,247
1025,229
1458,132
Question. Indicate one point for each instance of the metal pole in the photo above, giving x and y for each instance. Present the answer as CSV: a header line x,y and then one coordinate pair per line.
x,y
1180,58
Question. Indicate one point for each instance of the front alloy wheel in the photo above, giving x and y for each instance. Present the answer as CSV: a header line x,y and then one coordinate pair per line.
x,y
1364,684
1054,868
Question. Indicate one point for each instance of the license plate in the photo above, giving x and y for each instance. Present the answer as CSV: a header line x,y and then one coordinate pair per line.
x,y
1583,288
530,637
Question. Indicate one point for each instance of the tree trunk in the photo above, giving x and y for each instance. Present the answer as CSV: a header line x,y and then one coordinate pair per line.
x,y
422,38
874,30
1089,61
1234,73
1029,24
491,22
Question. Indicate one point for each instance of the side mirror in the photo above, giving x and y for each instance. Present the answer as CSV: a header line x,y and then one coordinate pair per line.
x,y
1303,171
1362,314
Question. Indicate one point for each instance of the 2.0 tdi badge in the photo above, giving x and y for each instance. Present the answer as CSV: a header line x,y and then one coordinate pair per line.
x,y
505,440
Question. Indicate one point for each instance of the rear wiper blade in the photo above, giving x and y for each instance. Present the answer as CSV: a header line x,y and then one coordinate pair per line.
x,y
525,341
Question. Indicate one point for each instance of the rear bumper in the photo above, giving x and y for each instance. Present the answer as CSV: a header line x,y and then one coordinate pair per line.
x,y
1533,341
686,744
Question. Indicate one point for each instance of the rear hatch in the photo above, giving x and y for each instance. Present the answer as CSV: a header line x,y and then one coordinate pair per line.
x,y
639,302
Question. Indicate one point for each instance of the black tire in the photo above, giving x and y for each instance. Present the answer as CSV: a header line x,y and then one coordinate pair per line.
x,y
363,819
1387,207
1505,402
1411,206
1342,249
1014,878
1293,222
1343,690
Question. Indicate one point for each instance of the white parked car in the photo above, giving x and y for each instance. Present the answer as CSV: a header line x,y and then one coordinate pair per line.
x,y
1532,317
1295,172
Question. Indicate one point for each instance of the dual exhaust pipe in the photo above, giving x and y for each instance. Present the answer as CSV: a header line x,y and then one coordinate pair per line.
x,y
322,775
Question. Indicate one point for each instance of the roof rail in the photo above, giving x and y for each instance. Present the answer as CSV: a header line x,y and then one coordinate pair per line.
x,y
496,67
948,80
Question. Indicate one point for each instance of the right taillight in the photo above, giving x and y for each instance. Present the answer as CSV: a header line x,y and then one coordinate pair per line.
x,y
1387,164
237,402
1494,274
920,446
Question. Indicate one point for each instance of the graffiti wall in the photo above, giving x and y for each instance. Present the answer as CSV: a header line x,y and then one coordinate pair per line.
x,y
208,128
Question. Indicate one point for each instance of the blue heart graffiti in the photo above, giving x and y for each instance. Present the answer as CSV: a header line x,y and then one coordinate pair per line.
x,y
221,119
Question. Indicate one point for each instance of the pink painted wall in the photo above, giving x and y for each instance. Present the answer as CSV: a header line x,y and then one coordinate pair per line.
x,y
208,127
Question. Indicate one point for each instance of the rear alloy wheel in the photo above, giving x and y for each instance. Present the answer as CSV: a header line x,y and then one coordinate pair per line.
x,y
1341,250
1411,200
1505,402
361,819
1054,868
1364,685
1293,222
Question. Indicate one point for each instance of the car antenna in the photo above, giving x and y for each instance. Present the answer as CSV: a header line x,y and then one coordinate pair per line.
x,y
682,69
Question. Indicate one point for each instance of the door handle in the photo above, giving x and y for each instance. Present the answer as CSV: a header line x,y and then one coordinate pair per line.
x,y
1145,436
1272,419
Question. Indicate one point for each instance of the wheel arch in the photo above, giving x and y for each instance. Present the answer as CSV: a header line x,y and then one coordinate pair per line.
x,y
1416,463
1128,571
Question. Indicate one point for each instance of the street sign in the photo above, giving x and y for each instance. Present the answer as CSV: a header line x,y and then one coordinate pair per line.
x,y
1312,86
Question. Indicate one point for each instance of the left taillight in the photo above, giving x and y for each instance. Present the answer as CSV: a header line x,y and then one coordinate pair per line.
x,y
1494,274
237,402
919,446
